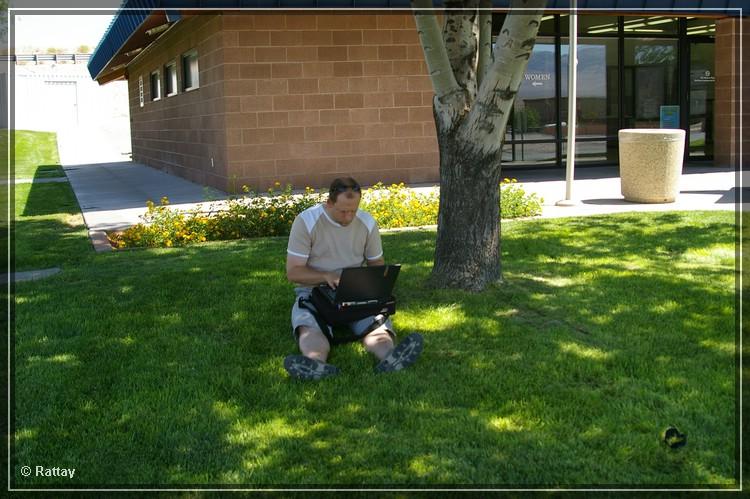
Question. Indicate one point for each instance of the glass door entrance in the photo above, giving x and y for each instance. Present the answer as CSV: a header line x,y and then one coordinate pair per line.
x,y
701,103
651,78
597,99
633,72
532,130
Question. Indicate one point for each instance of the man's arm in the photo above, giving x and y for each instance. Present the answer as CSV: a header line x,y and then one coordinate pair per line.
x,y
376,262
298,271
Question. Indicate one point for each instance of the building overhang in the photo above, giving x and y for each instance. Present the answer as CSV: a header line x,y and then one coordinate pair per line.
x,y
130,32
139,23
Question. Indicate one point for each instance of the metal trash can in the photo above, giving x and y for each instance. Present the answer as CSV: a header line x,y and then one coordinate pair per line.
x,y
651,164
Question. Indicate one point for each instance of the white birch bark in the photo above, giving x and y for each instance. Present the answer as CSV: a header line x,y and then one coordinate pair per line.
x,y
513,45
470,119
461,36
484,59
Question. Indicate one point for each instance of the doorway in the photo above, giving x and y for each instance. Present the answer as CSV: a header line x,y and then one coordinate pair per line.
x,y
701,101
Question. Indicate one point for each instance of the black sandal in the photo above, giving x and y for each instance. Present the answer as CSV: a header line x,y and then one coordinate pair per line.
x,y
301,367
405,354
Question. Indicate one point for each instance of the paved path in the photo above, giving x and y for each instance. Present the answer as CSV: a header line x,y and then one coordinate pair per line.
x,y
112,191
113,196
700,189
596,191
50,180
32,275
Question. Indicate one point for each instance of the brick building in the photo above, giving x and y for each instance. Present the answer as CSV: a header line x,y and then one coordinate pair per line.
x,y
233,97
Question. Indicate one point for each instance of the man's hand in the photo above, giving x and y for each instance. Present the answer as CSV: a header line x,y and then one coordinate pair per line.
x,y
332,279
298,271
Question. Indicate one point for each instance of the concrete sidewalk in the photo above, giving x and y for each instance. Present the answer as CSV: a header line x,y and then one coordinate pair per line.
x,y
597,191
113,196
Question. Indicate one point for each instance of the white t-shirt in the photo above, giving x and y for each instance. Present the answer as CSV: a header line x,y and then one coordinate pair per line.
x,y
330,246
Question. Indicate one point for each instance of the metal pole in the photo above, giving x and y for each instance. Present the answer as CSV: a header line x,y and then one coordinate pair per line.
x,y
572,83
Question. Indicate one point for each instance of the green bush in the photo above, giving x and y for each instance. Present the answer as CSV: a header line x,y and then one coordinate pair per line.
x,y
253,215
516,203
261,216
163,227
398,206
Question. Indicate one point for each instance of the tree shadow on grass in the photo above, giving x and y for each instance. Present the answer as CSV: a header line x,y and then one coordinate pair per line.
x,y
46,199
175,376
42,242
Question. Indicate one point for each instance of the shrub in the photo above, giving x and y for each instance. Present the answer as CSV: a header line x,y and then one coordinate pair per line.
x,y
260,216
250,215
163,227
516,203
398,206
272,214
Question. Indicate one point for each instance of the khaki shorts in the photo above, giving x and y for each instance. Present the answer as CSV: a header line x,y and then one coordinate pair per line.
x,y
359,329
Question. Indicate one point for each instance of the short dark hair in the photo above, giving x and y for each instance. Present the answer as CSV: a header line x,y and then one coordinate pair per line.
x,y
341,185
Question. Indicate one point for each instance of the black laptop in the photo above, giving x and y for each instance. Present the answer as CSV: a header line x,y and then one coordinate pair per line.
x,y
363,286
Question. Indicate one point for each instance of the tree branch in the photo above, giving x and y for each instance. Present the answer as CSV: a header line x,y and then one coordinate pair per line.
x,y
513,46
461,37
484,61
449,99
435,54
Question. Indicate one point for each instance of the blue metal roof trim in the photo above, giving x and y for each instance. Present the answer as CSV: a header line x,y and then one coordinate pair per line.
x,y
555,4
127,21
121,29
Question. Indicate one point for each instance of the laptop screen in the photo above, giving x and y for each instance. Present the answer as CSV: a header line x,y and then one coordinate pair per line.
x,y
360,284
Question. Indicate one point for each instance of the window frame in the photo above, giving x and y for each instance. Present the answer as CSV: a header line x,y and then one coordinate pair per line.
x,y
186,67
175,88
157,80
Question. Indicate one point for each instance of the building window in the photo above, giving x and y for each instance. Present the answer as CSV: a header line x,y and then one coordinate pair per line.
x,y
170,78
190,70
155,86
140,90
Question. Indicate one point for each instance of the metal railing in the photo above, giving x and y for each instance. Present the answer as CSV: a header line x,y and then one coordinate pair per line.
x,y
41,58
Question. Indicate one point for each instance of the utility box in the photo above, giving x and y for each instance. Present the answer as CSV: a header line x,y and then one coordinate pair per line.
x,y
651,164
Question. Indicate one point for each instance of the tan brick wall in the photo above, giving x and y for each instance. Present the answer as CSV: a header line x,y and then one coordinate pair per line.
x,y
312,96
180,134
729,107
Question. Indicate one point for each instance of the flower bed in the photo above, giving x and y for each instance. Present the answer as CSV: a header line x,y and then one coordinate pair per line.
x,y
272,214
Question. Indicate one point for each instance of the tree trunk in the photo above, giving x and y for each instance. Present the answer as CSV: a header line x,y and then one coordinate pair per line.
x,y
467,250
474,94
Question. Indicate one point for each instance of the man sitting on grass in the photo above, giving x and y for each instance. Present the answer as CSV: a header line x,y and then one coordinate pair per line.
x,y
324,240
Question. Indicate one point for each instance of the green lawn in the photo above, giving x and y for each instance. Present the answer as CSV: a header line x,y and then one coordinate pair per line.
x,y
164,367
35,154
48,226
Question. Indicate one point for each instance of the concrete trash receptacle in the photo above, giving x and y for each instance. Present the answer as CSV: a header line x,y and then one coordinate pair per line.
x,y
650,164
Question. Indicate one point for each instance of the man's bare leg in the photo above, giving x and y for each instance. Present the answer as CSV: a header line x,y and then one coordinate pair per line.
x,y
313,344
379,343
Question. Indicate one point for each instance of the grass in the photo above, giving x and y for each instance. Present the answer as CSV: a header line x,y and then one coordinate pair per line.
x,y
36,154
156,367
48,226
164,367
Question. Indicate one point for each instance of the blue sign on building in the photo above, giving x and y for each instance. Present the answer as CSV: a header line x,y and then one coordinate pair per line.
x,y
669,117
